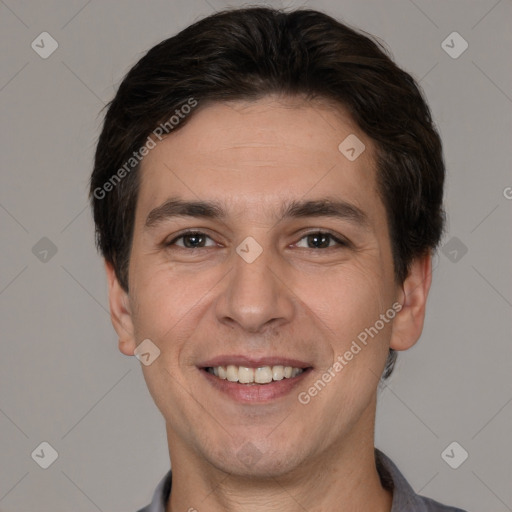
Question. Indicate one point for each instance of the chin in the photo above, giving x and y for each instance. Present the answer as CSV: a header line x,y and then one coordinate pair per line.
x,y
258,460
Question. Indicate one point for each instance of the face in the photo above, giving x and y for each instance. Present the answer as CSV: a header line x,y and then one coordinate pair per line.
x,y
284,262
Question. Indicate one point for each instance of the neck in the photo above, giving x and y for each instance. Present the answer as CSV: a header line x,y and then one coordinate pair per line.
x,y
343,477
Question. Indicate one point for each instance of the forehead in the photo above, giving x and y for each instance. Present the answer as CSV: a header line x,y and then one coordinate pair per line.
x,y
260,153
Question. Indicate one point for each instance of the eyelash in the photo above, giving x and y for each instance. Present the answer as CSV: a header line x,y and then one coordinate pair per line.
x,y
340,241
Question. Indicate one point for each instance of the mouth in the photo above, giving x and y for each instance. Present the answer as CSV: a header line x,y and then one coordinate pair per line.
x,y
254,381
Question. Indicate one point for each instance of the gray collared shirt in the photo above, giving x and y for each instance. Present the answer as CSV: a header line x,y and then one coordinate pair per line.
x,y
404,498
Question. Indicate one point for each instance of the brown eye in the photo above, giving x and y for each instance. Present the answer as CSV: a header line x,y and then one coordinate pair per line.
x,y
321,240
192,240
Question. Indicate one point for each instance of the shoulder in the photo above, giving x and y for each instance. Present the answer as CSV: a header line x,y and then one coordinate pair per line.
x,y
404,497
160,496
431,505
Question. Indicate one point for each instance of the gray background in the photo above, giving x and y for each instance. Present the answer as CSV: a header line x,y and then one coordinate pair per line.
x,y
62,379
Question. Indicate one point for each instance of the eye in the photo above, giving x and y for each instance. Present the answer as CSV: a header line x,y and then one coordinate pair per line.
x,y
190,240
320,240
313,240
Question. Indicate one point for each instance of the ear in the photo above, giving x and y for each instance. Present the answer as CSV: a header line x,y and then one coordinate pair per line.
x,y
120,313
408,323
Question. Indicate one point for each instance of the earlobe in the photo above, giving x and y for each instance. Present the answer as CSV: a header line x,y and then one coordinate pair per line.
x,y
408,324
120,313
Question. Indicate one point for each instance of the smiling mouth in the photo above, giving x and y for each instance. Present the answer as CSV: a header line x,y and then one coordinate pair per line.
x,y
260,375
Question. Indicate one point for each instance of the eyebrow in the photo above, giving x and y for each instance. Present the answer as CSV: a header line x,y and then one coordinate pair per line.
x,y
323,207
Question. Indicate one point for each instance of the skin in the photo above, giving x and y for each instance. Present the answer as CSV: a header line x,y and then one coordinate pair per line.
x,y
295,300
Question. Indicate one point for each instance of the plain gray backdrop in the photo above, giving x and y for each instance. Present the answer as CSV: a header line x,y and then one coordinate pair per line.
x,y
63,380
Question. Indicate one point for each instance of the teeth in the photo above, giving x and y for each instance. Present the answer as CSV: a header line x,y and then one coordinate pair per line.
x,y
221,372
278,372
262,375
231,373
245,375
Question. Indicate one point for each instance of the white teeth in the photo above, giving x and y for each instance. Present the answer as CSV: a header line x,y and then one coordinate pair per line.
x,y
232,373
261,375
278,372
245,375
222,372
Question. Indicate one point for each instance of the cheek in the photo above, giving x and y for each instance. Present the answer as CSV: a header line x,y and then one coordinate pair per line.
x,y
169,308
166,305
164,298
350,302
348,298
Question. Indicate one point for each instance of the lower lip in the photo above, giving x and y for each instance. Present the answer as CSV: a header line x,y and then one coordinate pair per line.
x,y
256,393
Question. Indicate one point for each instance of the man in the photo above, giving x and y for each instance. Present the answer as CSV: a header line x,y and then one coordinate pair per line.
x,y
267,194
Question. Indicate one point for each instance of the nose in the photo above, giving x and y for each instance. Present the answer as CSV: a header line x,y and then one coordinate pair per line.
x,y
256,295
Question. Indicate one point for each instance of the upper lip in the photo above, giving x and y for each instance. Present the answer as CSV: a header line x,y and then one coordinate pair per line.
x,y
253,362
